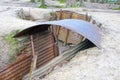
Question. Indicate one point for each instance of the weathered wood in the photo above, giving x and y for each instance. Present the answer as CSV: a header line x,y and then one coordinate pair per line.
x,y
67,33
56,50
33,63
66,38
73,37
58,29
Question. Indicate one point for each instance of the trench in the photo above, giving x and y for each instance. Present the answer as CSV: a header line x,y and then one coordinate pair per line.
x,y
68,44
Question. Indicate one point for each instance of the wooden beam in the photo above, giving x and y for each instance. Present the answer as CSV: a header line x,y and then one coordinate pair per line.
x,y
34,60
58,29
67,33
66,37
32,44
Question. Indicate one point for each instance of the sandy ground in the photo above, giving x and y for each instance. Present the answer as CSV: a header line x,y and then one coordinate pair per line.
x,y
91,64
9,22
94,63
18,3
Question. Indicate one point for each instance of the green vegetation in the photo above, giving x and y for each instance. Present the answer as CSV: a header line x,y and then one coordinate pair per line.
x,y
43,6
116,8
81,5
78,5
62,1
32,1
13,43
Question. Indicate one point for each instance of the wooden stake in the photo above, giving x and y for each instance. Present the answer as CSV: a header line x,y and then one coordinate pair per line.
x,y
58,29
86,17
66,38
67,33
34,59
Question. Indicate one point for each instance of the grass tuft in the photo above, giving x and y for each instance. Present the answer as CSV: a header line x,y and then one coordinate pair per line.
x,y
62,1
13,44
43,6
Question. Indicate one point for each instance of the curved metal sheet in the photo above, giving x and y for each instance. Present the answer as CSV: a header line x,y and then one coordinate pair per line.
x,y
84,28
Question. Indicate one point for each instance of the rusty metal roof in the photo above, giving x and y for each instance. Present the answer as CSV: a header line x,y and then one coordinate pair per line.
x,y
84,28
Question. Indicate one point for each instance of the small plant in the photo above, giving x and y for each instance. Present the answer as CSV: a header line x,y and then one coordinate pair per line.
x,y
116,8
43,6
62,1
13,44
81,5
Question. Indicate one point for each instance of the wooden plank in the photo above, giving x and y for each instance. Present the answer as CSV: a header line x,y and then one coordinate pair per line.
x,y
56,50
67,33
33,63
66,38
89,18
60,14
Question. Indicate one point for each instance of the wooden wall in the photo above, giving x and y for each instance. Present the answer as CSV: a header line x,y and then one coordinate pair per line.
x,y
66,35
45,49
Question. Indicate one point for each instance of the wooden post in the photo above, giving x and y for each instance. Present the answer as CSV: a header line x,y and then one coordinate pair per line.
x,y
34,59
66,38
58,30
86,17
67,33
99,25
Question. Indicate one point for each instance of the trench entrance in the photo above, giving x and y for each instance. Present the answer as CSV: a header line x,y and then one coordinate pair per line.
x,y
46,47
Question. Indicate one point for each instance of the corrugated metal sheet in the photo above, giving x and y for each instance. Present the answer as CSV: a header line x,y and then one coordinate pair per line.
x,y
18,69
84,28
44,47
